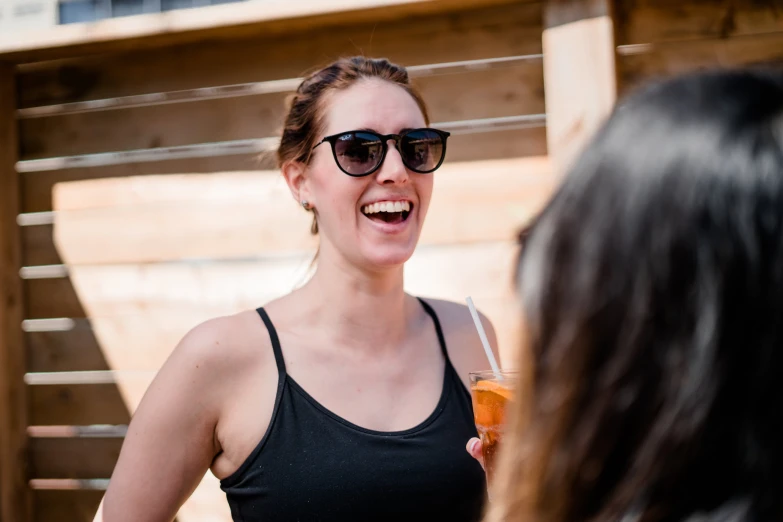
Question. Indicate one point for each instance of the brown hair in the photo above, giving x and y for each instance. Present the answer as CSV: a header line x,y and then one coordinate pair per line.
x,y
652,292
305,117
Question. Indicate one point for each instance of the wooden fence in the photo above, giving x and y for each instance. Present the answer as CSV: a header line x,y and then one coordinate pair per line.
x,y
136,201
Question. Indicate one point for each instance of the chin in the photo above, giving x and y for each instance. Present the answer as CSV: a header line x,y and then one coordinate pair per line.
x,y
388,256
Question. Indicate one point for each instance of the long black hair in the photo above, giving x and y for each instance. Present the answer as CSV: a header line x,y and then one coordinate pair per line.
x,y
653,292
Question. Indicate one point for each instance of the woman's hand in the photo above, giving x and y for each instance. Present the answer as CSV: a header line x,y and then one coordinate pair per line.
x,y
474,449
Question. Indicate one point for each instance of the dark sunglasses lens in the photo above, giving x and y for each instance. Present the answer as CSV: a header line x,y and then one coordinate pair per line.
x,y
358,152
422,150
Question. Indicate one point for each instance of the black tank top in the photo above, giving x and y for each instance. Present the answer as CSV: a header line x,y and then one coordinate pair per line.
x,y
312,465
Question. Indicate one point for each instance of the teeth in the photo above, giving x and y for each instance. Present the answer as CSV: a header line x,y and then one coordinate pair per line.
x,y
387,206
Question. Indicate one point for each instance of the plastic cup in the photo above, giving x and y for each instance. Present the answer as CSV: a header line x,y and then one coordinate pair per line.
x,y
491,392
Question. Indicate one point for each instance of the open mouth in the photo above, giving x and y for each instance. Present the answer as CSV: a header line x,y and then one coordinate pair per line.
x,y
393,212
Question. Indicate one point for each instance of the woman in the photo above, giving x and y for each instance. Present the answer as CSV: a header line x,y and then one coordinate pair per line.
x,y
346,399
653,290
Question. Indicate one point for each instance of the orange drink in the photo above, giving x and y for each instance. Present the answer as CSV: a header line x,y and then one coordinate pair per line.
x,y
491,391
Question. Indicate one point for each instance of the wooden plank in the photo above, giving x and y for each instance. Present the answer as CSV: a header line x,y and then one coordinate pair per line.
x,y
38,246
151,127
38,186
650,21
70,505
248,214
471,95
198,289
76,404
212,23
217,92
74,349
579,73
234,215
638,65
47,298
73,457
14,495
478,33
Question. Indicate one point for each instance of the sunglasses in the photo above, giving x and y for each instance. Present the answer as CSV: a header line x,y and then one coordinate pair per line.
x,y
360,152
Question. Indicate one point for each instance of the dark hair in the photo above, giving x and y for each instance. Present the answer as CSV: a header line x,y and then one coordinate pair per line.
x,y
304,120
653,288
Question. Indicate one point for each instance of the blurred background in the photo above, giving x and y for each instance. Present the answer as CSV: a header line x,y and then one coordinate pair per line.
x,y
138,194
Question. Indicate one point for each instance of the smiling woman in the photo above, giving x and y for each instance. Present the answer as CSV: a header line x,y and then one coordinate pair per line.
x,y
347,398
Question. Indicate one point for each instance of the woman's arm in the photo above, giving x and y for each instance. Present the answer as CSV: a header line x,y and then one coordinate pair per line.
x,y
171,439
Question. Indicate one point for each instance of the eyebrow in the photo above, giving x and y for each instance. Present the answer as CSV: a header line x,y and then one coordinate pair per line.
x,y
368,129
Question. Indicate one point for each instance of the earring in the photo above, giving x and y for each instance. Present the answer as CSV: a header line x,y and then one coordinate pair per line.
x,y
305,204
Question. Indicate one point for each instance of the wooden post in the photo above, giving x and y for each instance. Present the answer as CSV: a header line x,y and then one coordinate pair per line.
x,y
14,493
580,77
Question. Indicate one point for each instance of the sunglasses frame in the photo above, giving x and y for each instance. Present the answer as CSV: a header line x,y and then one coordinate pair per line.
x,y
385,147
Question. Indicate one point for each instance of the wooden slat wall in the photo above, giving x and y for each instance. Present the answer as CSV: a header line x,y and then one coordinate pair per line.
x,y
659,38
125,259
120,261
474,96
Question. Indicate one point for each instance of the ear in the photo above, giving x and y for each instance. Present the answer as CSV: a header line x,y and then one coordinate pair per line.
x,y
295,174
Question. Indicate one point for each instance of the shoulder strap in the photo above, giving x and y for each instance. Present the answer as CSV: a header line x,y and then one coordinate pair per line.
x,y
438,329
275,342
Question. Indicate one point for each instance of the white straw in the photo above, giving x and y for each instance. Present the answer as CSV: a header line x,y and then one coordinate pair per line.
x,y
483,335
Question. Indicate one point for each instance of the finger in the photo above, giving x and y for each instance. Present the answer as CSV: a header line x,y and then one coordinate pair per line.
x,y
474,449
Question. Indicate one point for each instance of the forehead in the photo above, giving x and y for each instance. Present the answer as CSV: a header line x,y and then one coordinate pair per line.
x,y
372,104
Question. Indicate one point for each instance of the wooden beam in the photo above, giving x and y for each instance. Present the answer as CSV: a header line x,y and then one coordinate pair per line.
x,y
651,21
213,23
76,405
580,78
638,64
475,34
465,96
14,495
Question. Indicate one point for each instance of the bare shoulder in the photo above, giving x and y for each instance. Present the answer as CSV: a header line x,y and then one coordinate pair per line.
x,y
212,359
462,338
226,343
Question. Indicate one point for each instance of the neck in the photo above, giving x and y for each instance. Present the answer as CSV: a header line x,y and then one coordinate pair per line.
x,y
358,305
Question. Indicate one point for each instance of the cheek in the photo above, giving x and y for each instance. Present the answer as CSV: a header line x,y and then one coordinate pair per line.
x,y
336,194
424,188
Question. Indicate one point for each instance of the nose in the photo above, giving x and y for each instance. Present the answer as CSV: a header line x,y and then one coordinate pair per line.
x,y
393,170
